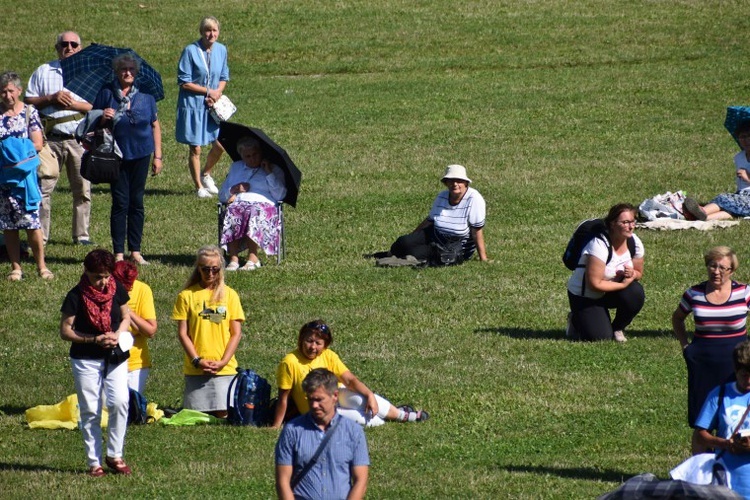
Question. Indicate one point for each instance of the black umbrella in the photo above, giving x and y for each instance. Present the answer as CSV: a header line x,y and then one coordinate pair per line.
x,y
230,133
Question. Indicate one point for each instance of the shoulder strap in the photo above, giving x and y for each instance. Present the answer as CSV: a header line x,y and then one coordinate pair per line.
x,y
309,465
631,246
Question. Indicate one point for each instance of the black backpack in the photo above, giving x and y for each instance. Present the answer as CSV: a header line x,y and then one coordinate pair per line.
x,y
249,399
584,233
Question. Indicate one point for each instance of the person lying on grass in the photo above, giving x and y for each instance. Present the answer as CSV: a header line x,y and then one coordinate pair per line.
x,y
728,205
356,401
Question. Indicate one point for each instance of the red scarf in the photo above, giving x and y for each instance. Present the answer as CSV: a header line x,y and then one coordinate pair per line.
x,y
98,303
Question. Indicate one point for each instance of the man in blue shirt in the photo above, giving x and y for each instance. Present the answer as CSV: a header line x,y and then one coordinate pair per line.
x,y
342,468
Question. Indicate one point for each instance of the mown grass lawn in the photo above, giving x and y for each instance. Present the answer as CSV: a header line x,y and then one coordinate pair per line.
x,y
559,109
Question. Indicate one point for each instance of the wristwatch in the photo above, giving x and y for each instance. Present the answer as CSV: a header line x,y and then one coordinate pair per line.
x,y
196,360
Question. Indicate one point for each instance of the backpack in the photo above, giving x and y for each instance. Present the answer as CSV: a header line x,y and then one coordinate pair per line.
x,y
249,399
584,233
137,408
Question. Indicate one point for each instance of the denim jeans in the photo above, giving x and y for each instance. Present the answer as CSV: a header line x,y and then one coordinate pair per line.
x,y
128,214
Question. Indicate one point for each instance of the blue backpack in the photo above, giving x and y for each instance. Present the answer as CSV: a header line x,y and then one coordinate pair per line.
x,y
249,399
137,408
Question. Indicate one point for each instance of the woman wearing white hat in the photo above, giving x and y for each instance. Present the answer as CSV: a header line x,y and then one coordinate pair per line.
x,y
452,230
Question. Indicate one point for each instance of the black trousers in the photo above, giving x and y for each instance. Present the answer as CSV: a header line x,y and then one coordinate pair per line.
x,y
591,316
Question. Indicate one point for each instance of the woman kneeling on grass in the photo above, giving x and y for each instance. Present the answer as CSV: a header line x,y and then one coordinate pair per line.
x,y
607,277
94,316
356,402
209,325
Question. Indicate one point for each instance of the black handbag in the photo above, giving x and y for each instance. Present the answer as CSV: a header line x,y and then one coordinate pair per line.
x,y
100,165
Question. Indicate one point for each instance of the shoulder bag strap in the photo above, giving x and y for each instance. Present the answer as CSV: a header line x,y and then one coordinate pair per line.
x,y
309,465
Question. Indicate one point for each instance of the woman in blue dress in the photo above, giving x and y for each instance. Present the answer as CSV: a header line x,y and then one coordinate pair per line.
x,y
202,75
135,127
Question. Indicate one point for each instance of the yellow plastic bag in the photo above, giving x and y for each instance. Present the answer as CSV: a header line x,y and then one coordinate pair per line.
x,y
63,415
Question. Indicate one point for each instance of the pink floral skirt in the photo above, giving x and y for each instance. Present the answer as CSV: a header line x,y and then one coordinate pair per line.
x,y
256,220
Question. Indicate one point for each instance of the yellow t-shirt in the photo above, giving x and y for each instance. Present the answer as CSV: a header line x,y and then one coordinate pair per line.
x,y
208,324
142,303
294,368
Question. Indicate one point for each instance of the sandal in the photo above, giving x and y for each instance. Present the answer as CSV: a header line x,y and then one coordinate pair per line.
x,y
96,471
15,275
250,266
233,266
46,274
139,260
118,466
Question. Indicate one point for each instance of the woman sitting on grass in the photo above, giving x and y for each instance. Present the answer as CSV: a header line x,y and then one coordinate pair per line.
x,y
252,189
728,205
356,402
454,228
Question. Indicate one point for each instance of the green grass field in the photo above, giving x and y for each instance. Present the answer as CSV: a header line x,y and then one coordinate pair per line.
x,y
559,109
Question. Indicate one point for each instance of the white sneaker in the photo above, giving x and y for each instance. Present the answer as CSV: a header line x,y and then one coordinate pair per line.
x,y
209,184
203,193
233,266
620,336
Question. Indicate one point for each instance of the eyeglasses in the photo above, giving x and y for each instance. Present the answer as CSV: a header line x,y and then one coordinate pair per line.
x,y
721,269
210,270
72,45
626,222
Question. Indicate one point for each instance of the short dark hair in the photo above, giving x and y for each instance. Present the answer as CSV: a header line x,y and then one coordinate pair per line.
x,y
99,260
317,327
741,355
320,377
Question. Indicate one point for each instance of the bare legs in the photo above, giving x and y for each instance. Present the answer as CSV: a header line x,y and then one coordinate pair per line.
x,y
213,157
36,242
713,212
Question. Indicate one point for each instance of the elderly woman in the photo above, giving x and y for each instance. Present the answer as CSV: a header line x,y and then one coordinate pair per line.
x,y
142,323
19,201
209,325
94,318
202,75
135,127
252,189
719,306
607,277
356,402
453,230
725,411
728,205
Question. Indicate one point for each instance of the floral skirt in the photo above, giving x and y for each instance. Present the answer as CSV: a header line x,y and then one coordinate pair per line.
x,y
258,221
13,216
737,204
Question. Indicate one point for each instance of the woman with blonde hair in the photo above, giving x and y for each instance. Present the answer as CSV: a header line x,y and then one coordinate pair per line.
x,y
719,306
202,74
209,319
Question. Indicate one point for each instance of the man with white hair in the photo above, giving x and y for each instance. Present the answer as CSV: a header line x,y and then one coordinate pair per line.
x,y
61,112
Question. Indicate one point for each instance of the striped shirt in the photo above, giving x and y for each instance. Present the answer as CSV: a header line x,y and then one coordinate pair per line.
x,y
717,321
46,80
455,220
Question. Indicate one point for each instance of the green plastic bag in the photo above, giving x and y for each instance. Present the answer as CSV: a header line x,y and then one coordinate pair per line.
x,y
191,417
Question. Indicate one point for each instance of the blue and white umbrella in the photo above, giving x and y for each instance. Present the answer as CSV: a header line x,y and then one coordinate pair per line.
x,y
87,71
736,116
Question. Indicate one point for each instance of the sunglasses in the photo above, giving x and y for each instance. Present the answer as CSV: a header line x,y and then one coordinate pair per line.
x,y
210,270
72,45
317,325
